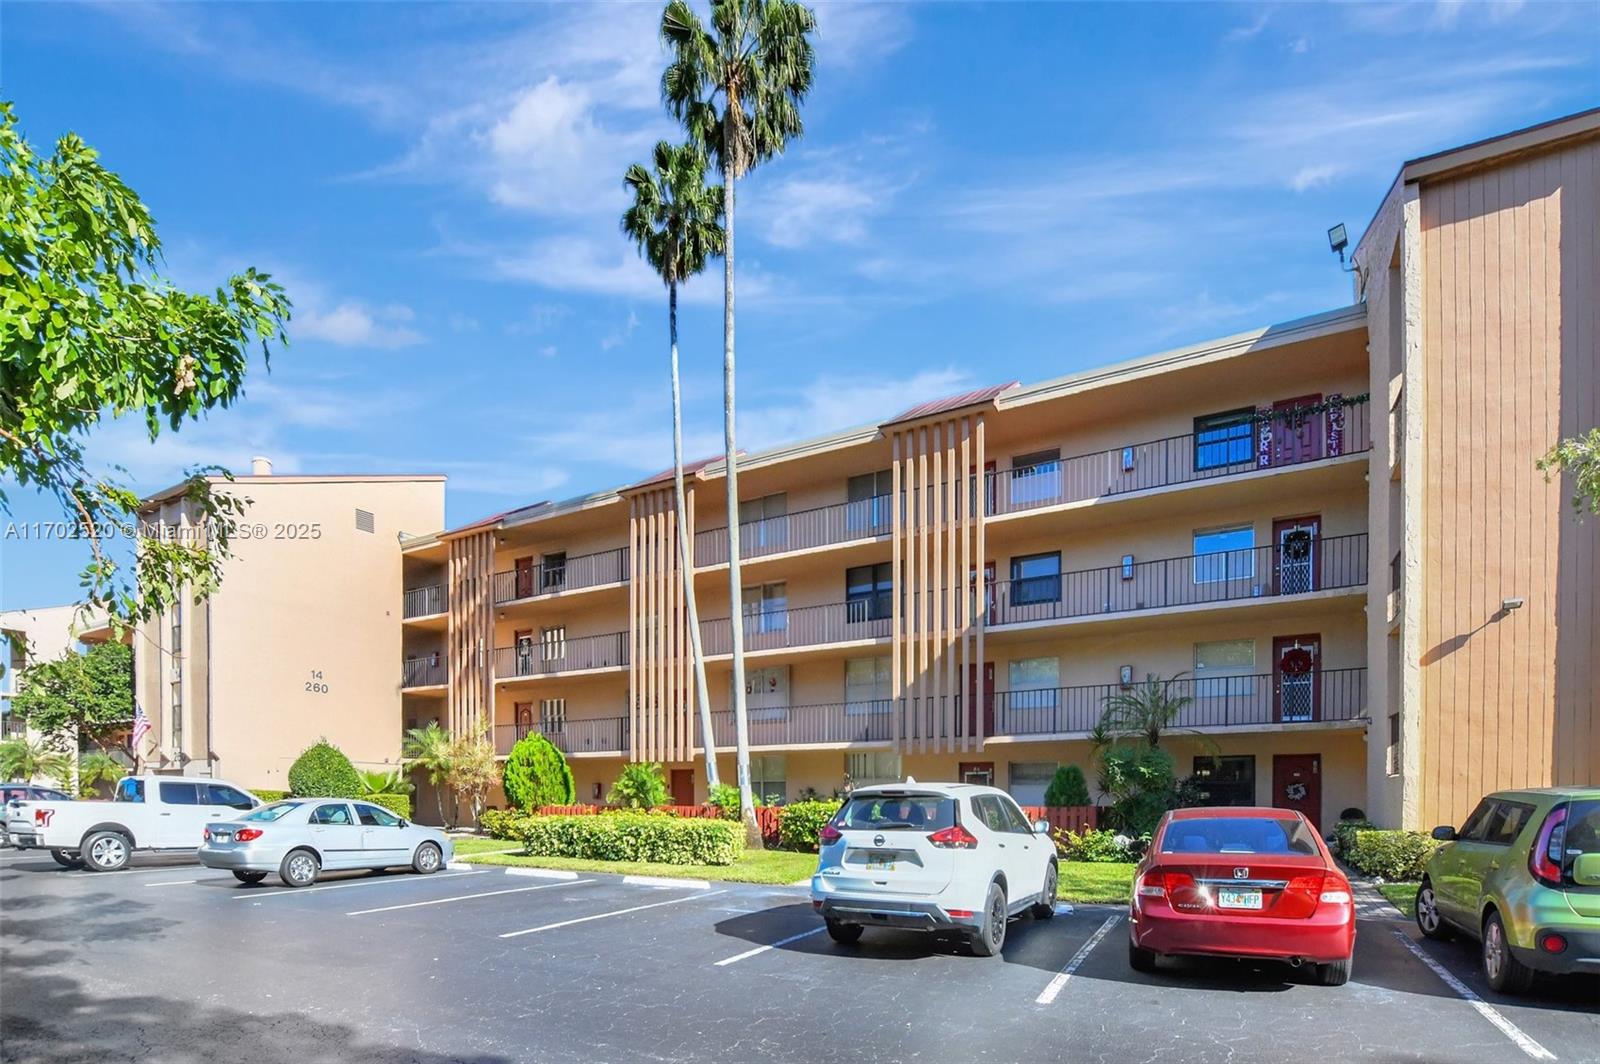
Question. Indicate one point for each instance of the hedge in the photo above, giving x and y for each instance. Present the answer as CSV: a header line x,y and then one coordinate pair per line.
x,y
1344,834
1392,855
398,804
323,771
798,824
624,837
499,823
269,796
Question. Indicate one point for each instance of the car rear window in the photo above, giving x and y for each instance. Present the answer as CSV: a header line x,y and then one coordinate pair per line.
x,y
912,812
1269,835
1582,833
270,812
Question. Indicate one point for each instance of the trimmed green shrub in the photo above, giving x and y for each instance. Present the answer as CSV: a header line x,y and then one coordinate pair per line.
x,y
398,804
1391,855
798,824
536,774
269,796
1067,787
322,771
725,798
1344,835
632,837
499,823
1099,847
641,786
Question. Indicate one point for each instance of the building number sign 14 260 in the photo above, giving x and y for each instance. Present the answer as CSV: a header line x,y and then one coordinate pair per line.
x,y
315,685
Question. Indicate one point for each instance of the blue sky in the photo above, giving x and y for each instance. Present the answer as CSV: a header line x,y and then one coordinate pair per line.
x,y
983,192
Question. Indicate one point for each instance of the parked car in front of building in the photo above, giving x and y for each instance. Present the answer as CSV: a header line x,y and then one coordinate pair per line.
x,y
1522,877
25,792
952,857
1243,882
299,838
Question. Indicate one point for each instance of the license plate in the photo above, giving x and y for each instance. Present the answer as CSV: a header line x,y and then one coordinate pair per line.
x,y
1238,899
879,862
222,836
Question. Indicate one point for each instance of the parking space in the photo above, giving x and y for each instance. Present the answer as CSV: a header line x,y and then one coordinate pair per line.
x,y
487,964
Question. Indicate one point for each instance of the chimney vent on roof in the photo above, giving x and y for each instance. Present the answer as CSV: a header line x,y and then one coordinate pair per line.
x,y
260,466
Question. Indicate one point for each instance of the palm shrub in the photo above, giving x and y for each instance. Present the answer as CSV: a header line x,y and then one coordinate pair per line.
x,y
1147,711
25,759
398,804
94,769
537,774
322,771
429,749
392,781
641,786
1067,787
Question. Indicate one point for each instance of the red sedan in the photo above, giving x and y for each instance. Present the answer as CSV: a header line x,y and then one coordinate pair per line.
x,y
1241,882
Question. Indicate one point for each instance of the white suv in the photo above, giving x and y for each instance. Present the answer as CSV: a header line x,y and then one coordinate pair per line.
x,y
933,857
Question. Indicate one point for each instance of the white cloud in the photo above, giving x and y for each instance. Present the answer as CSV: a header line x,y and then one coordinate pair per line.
x,y
1300,45
350,324
852,31
1308,177
1249,31
829,404
620,335
801,211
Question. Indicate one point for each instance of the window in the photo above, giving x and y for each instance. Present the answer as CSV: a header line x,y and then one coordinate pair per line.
x,y
178,794
869,496
1026,781
177,714
1036,578
1238,835
364,521
552,643
872,767
222,794
1472,830
1224,439
763,523
553,571
374,817
1033,683
769,777
1224,554
998,814
766,693
1036,477
867,685
1225,657
1506,823
332,814
766,608
869,592
915,812
1227,780
552,715
268,813
129,791
1393,752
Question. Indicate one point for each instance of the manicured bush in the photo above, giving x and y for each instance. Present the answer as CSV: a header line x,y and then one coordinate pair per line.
x,y
1393,855
269,796
641,786
499,823
536,774
322,771
1344,835
725,797
398,804
632,837
1067,787
1097,847
798,824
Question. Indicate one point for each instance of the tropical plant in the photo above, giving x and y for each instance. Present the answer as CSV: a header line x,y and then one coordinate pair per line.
x,y
25,759
76,695
676,222
384,781
1579,456
640,786
737,87
322,771
1147,711
724,797
1067,787
89,332
96,768
472,769
428,748
537,774
1141,785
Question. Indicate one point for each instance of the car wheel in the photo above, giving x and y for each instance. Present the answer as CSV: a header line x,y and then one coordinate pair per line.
x,y
1045,907
844,933
299,869
990,936
248,877
427,860
1335,974
1140,960
106,851
67,859
1429,922
1501,969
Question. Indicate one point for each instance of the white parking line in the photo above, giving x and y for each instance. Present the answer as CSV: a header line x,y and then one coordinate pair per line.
x,y
257,895
468,897
171,882
762,949
1486,1010
602,916
666,881
542,873
1048,994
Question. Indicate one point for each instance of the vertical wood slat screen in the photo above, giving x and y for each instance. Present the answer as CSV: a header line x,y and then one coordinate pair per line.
x,y
659,664
470,633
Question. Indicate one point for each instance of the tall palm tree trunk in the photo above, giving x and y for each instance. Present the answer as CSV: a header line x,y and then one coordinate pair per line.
x,y
741,719
685,559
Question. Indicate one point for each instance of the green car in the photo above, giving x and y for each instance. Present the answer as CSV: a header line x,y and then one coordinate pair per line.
x,y
1522,876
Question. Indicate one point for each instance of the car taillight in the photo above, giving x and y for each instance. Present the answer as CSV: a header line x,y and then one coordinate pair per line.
x,y
246,834
1158,883
954,837
829,835
1300,895
205,834
1335,891
1544,861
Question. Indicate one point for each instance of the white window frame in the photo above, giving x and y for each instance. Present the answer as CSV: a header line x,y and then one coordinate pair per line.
x,y
769,774
878,694
1202,673
876,761
1209,569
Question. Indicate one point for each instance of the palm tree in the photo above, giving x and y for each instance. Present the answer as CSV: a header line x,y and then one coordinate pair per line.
x,y
677,223
737,88
26,759
1148,710
429,749
95,768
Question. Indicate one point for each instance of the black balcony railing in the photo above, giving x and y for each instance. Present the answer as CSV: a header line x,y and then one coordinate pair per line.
x,y
605,735
833,722
772,628
425,671
837,523
561,655
422,601
572,574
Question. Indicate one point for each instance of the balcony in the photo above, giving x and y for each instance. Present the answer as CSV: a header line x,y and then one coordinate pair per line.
x,y
775,629
558,656
1179,460
607,735
552,578
426,671
824,526
422,601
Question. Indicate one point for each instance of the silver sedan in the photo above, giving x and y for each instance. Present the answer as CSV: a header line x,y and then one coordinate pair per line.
x,y
299,838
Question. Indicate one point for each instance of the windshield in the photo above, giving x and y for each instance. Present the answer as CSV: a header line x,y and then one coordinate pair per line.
x,y
270,812
1239,834
880,812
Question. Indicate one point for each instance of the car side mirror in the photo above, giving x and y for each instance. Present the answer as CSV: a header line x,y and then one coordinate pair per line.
x,y
1444,833
1586,870
404,822
1041,827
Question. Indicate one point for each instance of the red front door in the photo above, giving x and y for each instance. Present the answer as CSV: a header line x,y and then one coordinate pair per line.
x,y
1296,437
683,786
524,719
1297,546
524,577
1296,691
1297,784
988,699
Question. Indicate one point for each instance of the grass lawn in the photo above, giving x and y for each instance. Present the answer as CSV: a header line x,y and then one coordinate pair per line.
x,y
471,845
1087,883
1402,895
754,866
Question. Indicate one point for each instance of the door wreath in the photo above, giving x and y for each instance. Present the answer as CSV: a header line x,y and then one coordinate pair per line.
x,y
1297,545
1295,792
1295,662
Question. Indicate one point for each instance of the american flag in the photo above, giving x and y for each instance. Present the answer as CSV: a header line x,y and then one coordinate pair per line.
x,y
141,726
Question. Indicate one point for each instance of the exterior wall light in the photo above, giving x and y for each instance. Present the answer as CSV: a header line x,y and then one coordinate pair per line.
x,y
1511,604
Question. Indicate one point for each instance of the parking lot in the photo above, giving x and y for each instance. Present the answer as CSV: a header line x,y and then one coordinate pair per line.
x,y
173,962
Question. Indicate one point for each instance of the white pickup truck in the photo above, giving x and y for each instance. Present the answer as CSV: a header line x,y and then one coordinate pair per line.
x,y
158,813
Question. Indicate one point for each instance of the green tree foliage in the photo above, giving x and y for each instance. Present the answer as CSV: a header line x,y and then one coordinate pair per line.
x,y
97,768
472,770
89,331
25,759
429,749
384,782
323,771
799,824
725,797
1147,711
1141,784
1579,456
77,694
537,774
1067,787
641,786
